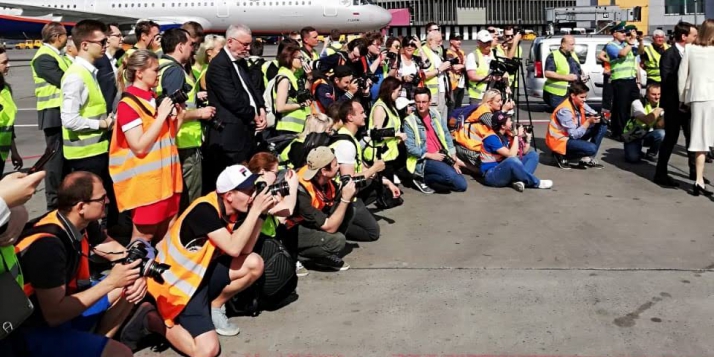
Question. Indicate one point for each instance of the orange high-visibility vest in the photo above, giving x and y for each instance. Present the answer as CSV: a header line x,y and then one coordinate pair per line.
x,y
141,181
319,199
471,136
481,110
51,226
488,157
188,266
556,138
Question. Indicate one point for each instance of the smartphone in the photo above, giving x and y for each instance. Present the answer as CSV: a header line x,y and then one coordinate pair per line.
x,y
42,161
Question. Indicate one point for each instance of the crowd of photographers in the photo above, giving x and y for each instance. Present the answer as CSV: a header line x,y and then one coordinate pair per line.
x,y
226,174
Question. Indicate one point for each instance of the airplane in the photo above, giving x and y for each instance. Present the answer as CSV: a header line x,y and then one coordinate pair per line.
x,y
20,19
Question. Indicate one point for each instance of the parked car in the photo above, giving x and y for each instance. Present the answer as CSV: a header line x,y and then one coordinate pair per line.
x,y
586,48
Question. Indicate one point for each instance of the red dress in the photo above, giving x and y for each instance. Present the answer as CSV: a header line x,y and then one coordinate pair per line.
x,y
127,119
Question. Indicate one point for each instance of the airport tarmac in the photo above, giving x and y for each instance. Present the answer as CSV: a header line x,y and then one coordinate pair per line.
x,y
604,264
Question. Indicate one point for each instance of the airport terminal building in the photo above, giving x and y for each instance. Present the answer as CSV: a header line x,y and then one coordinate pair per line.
x,y
467,17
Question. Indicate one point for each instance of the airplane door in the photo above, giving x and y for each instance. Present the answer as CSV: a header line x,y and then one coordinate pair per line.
x,y
222,9
330,8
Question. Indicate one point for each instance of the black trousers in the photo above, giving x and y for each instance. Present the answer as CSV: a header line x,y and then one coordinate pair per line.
x,y
458,94
624,92
99,165
606,92
674,120
55,168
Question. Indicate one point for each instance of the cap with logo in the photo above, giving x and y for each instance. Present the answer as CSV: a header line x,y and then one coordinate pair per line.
x,y
318,158
484,36
236,177
619,27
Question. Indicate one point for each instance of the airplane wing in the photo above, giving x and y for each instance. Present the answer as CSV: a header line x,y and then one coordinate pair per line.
x,y
68,15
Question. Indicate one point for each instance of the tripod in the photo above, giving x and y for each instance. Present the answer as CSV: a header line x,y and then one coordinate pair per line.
x,y
520,76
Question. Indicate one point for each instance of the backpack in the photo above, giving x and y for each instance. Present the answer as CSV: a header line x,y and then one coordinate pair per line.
x,y
458,116
275,286
312,141
270,112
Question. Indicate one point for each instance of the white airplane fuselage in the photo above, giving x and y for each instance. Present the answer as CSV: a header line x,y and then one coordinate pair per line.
x,y
262,16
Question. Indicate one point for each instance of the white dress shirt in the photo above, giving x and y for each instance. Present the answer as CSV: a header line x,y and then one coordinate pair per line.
x,y
75,94
52,48
242,81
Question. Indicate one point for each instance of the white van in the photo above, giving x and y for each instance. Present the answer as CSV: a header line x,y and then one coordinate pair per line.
x,y
586,48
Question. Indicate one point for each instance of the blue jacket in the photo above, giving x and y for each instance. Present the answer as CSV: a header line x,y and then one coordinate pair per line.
x,y
419,151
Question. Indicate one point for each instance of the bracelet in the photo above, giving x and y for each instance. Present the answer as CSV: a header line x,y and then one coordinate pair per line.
x,y
344,200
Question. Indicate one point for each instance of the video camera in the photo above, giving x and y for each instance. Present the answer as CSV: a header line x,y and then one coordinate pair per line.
x,y
502,65
360,181
281,188
138,250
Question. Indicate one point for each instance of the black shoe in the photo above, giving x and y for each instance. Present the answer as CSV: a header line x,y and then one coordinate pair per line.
x,y
665,181
650,157
592,164
421,186
696,190
561,161
330,262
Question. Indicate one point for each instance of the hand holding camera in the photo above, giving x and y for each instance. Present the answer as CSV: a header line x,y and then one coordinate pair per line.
x,y
594,119
444,66
263,201
349,189
165,108
123,275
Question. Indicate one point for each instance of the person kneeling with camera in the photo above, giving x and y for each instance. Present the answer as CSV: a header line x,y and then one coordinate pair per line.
x,y
210,250
339,87
575,130
324,211
430,149
506,157
73,315
646,127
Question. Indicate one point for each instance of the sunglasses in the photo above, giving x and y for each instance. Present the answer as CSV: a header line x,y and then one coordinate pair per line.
x,y
101,42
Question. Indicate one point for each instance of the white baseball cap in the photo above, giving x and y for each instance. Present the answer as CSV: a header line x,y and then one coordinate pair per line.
x,y
484,36
402,103
236,177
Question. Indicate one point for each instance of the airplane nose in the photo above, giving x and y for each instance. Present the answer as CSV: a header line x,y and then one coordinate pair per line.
x,y
382,16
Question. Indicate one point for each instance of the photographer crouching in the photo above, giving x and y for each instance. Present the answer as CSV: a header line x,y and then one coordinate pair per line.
x,y
73,315
431,154
506,156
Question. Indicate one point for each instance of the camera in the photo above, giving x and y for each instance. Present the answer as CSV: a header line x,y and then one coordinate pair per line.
x,y
392,56
138,250
381,134
526,128
519,30
362,81
454,61
360,181
281,188
447,158
178,97
416,79
501,65
303,95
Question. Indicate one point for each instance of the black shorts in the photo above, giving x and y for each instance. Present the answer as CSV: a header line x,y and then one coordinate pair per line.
x,y
196,316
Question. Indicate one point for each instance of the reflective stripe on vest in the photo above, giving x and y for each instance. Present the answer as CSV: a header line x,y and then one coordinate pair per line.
x,y
433,83
489,157
293,121
319,199
48,96
149,179
623,68
190,134
392,144
411,120
556,138
88,143
82,275
11,264
188,266
7,121
652,63
358,159
562,67
476,89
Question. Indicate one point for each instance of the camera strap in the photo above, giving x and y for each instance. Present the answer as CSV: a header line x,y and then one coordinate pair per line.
x,y
138,102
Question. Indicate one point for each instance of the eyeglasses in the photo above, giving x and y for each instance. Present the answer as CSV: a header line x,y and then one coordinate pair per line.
x,y
245,44
116,35
102,42
100,199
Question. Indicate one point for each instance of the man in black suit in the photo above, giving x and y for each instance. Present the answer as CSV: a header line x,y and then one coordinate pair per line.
x,y
107,68
239,107
675,116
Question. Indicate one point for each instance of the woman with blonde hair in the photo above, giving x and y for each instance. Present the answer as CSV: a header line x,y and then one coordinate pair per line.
x,y
696,90
211,46
143,157
294,154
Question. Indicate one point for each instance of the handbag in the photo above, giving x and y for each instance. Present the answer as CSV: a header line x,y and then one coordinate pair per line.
x,y
15,307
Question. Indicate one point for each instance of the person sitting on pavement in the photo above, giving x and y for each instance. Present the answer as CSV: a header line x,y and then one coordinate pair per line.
x,y
646,127
507,158
324,211
575,131
337,88
75,316
210,250
431,156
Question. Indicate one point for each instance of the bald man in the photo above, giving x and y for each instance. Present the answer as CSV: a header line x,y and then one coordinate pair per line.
x,y
562,67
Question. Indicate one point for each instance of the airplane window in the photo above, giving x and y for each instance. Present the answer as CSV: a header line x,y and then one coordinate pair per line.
x,y
113,5
75,6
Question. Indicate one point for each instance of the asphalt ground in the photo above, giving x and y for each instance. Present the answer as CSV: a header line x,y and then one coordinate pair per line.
x,y
604,264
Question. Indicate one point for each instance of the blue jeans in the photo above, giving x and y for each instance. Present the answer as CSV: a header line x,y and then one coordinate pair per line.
x,y
588,144
552,100
439,175
653,139
514,169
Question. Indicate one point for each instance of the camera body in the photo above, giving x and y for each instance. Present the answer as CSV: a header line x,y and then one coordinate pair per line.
x,y
178,97
138,250
501,65
360,181
447,158
454,61
303,95
281,188
392,56
381,134
362,81
526,128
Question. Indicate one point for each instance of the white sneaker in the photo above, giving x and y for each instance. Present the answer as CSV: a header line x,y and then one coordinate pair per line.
x,y
221,324
545,184
301,270
518,186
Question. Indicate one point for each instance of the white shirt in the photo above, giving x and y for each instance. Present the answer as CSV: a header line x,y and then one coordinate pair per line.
x,y
75,95
680,49
345,152
472,64
242,81
52,48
